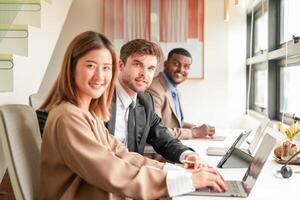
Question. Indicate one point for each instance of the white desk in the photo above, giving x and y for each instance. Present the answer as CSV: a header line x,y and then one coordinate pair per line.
x,y
269,184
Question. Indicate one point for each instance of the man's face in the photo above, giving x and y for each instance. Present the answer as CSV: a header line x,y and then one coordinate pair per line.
x,y
177,68
137,74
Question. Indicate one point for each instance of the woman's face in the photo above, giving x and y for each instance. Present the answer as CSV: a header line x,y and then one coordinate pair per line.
x,y
93,74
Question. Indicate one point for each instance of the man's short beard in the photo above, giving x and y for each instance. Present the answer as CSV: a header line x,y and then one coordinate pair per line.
x,y
131,86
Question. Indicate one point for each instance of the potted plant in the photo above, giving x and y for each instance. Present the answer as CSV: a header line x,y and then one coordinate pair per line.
x,y
288,147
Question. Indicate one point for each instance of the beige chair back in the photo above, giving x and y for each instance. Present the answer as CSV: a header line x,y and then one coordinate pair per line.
x,y
2,164
21,142
36,100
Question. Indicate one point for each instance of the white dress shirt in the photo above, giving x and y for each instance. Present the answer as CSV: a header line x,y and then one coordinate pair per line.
x,y
123,102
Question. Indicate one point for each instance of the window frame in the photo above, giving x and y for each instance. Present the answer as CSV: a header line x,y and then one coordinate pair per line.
x,y
271,59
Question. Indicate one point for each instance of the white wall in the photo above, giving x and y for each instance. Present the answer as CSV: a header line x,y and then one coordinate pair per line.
x,y
219,99
29,71
82,16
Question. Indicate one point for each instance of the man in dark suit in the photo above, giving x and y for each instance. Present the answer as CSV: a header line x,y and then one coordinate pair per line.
x,y
138,62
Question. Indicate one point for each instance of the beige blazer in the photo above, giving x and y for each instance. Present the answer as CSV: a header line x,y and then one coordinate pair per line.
x,y
165,108
81,160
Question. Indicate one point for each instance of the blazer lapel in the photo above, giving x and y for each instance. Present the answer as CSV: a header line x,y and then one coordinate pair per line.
x,y
169,96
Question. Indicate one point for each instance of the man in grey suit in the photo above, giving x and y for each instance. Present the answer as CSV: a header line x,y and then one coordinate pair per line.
x,y
138,62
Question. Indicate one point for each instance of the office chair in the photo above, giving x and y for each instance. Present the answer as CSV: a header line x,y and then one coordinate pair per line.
x,y
21,141
36,100
2,163
2,167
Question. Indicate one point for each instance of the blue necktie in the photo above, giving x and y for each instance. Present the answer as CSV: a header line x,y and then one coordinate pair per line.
x,y
177,106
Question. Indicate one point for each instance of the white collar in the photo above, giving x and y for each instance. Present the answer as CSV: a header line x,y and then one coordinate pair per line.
x,y
123,96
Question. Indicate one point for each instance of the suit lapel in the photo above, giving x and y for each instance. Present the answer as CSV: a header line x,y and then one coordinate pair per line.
x,y
169,96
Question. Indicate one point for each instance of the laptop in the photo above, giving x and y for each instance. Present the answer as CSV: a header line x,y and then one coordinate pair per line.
x,y
221,151
244,187
258,135
235,158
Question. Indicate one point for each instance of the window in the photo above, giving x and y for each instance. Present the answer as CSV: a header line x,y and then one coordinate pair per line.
x,y
289,19
289,90
260,88
260,32
275,72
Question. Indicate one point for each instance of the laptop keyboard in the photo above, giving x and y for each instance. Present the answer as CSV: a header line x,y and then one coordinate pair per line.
x,y
234,187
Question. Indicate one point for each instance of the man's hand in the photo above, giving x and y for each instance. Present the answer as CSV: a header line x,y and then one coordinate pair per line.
x,y
192,161
208,177
203,131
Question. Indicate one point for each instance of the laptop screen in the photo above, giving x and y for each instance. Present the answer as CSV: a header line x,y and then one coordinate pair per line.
x,y
258,162
258,135
240,139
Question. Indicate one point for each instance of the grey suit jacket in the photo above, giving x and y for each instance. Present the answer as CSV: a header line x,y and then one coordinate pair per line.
x,y
149,129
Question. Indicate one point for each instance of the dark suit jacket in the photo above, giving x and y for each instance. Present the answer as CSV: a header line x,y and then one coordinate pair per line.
x,y
149,129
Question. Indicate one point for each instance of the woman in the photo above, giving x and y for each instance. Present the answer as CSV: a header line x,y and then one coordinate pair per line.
x,y
80,159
